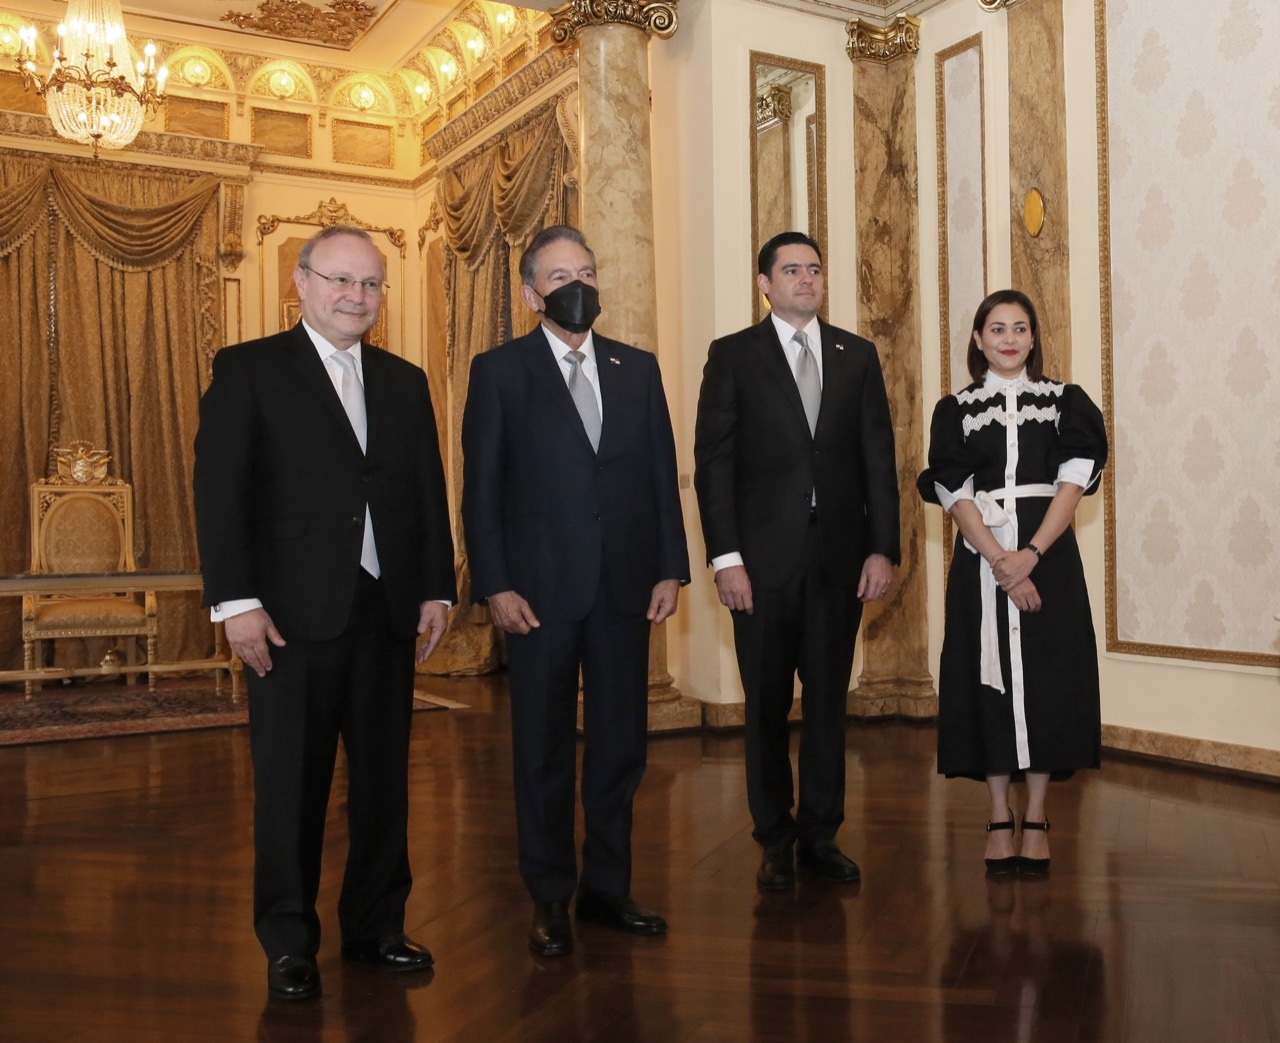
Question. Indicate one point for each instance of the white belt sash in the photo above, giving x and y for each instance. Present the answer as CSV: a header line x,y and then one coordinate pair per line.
x,y
1000,516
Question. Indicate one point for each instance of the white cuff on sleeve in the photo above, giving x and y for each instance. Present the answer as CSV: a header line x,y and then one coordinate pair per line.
x,y
948,499
226,609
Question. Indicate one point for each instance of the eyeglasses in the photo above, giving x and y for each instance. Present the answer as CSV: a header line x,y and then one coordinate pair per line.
x,y
373,287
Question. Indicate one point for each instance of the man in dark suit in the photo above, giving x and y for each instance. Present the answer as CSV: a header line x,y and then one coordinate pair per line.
x,y
797,488
572,520
324,542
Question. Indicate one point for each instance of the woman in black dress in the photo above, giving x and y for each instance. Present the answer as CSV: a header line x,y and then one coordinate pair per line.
x,y
1010,457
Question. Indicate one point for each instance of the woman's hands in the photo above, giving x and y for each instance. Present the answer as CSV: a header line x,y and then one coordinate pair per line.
x,y
1011,567
1025,596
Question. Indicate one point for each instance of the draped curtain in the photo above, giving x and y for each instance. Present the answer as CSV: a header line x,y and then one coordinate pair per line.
x,y
493,201
109,280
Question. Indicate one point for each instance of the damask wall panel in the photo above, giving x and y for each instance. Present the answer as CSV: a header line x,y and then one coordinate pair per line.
x,y
364,144
201,117
16,98
284,133
962,243
1191,228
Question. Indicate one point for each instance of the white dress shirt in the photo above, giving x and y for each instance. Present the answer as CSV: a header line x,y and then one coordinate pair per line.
x,y
786,334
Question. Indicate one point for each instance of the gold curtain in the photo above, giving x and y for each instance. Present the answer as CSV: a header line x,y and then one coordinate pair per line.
x,y
117,318
493,201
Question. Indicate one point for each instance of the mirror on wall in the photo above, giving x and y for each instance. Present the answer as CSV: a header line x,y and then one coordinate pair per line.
x,y
788,153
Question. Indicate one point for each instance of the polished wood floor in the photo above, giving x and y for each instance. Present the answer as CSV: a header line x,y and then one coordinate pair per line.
x,y
125,906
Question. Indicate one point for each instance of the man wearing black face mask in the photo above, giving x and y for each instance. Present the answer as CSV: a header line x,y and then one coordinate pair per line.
x,y
575,538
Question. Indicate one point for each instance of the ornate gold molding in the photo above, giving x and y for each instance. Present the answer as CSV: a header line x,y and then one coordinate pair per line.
x,y
773,106
654,17
326,215
498,103
176,146
992,6
231,245
340,26
870,42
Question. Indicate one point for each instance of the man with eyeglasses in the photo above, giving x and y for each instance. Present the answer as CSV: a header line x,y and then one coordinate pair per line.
x,y
324,543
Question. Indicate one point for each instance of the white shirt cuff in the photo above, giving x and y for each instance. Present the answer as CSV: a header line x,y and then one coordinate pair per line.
x,y
1077,471
726,561
948,499
226,609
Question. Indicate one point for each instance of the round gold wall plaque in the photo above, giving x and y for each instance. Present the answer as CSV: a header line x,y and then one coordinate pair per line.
x,y
1033,212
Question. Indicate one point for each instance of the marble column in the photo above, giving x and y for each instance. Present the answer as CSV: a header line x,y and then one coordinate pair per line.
x,y
616,208
895,678
1040,261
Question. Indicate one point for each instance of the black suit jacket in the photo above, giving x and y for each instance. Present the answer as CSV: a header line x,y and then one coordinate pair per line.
x,y
757,465
281,487
546,516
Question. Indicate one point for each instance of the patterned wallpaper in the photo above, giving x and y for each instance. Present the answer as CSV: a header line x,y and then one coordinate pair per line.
x,y
1192,107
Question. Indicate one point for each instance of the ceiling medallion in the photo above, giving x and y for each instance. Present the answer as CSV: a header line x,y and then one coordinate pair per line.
x,y
340,26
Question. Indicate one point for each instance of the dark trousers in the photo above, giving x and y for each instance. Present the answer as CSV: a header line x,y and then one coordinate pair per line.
x,y
806,627
359,687
613,652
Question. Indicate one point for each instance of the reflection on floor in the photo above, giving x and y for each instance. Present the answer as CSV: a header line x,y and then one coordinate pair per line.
x,y
125,865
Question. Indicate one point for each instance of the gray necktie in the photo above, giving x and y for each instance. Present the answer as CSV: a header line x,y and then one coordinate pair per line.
x,y
584,397
808,381
351,392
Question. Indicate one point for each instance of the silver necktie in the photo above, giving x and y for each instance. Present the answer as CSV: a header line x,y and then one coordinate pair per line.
x,y
808,381
584,397
351,391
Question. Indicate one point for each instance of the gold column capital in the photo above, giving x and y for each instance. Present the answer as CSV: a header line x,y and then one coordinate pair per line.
x,y
653,17
869,42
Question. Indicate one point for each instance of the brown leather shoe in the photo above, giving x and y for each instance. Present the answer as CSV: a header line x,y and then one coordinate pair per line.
x,y
777,868
825,859
395,952
550,933
293,978
620,913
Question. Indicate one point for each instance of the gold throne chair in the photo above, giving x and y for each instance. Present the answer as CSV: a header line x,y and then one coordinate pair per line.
x,y
82,522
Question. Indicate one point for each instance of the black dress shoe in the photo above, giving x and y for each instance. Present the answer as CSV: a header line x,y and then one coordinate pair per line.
x,y
293,978
550,933
826,860
395,952
1033,866
777,868
622,914
1002,866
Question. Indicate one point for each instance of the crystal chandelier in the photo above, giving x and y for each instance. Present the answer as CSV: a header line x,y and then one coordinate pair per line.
x,y
90,97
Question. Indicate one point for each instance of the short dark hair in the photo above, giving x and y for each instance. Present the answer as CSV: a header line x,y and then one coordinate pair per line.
x,y
550,234
332,232
769,252
977,362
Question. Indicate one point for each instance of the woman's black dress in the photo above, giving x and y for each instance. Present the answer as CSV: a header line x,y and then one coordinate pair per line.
x,y
1001,437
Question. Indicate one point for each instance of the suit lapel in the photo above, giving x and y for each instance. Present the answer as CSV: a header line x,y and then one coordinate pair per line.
x,y
377,397
773,357
545,371
305,360
613,386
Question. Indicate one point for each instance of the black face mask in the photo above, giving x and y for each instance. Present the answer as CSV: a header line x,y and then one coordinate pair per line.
x,y
573,306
